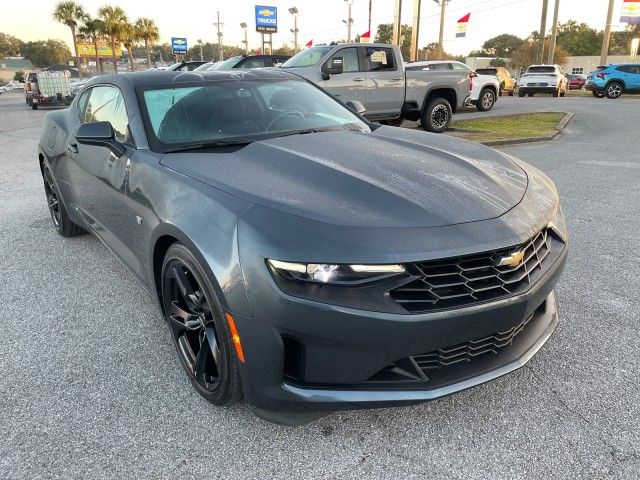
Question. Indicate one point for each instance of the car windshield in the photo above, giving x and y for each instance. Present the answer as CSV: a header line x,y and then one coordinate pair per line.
x,y
541,70
226,64
241,110
487,71
307,58
204,67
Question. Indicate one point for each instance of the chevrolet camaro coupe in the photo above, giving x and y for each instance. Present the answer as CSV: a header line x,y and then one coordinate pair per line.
x,y
304,258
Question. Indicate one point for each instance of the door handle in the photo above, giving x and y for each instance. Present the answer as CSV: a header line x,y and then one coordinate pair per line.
x,y
358,79
397,79
73,148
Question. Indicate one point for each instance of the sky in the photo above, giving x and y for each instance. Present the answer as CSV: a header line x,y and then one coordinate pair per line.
x,y
318,20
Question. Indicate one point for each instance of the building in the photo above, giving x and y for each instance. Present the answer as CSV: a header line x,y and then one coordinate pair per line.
x,y
10,65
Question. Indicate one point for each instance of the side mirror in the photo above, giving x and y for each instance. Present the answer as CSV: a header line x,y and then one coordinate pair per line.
x,y
335,66
356,107
100,134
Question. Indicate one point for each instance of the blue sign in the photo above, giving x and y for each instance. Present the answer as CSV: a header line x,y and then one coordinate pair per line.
x,y
178,45
266,19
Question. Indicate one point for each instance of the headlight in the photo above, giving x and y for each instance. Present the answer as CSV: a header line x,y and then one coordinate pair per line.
x,y
558,225
335,274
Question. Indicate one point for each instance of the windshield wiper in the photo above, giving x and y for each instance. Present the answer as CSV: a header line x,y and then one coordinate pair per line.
x,y
199,146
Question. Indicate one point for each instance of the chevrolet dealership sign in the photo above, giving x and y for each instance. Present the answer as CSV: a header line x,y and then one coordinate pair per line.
x,y
266,19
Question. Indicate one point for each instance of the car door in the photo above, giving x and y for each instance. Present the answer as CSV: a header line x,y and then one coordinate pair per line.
x,y
98,177
632,78
384,95
350,84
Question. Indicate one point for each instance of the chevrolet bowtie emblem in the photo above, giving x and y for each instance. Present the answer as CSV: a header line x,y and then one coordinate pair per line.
x,y
513,260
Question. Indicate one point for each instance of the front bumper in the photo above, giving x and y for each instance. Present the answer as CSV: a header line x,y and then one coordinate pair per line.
x,y
342,348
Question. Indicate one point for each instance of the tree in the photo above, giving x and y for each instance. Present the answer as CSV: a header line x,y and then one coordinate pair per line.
x,y
9,45
114,20
498,62
147,31
385,35
92,31
526,54
70,14
502,46
19,76
45,53
620,43
579,38
129,38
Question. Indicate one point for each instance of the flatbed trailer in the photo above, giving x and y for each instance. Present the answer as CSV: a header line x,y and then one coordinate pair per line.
x,y
48,88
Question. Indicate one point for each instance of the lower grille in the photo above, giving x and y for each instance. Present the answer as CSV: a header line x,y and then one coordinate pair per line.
x,y
463,281
465,352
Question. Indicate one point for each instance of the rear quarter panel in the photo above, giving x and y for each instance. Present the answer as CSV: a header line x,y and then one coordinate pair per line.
x,y
421,82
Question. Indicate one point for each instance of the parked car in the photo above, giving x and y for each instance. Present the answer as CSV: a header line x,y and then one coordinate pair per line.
x,y
576,81
184,66
304,258
245,62
484,88
543,79
375,75
614,80
508,84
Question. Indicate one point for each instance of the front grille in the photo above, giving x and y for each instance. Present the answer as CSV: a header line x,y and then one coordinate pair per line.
x,y
465,352
463,281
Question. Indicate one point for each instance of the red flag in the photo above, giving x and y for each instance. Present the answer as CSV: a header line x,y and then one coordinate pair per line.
x,y
461,27
366,34
310,43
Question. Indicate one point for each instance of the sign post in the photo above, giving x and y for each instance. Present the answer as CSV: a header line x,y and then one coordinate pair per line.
x,y
267,23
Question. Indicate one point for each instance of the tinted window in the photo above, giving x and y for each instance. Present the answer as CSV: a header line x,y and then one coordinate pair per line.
x,y
487,71
349,59
277,61
541,70
380,59
438,66
106,104
82,104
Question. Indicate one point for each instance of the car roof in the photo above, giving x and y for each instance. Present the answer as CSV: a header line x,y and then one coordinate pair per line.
x,y
159,77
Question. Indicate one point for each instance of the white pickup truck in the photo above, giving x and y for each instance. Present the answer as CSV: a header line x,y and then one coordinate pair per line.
x,y
543,79
390,90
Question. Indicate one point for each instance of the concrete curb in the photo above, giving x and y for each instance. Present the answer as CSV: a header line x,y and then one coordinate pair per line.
x,y
515,141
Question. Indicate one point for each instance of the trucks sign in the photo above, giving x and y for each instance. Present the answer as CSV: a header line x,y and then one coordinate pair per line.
x,y
178,45
266,19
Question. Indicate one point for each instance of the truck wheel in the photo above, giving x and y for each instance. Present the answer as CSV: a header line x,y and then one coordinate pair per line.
x,y
521,93
34,106
511,93
486,101
437,116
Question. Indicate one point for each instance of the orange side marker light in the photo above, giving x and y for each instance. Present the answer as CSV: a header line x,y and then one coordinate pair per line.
x,y
235,337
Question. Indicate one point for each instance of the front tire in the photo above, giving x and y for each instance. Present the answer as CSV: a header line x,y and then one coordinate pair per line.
x,y
200,332
486,101
614,90
58,211
521,93
437,116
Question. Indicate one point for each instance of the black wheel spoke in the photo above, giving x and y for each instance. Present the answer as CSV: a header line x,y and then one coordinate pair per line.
x,y
183,319
213,344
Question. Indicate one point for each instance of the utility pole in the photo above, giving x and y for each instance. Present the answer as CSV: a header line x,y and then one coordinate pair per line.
x,y
443,5
415,31
543,31
554,33
397,23
294,11
607,35
201,52
349,20
243,26
218,25
370,7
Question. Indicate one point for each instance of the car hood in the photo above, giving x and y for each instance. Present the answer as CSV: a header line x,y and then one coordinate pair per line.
x,y
392,177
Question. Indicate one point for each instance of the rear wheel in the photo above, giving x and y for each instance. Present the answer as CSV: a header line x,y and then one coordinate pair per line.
x,y
34,106
614,90
501,91
486,101
437,116
58,211
201,334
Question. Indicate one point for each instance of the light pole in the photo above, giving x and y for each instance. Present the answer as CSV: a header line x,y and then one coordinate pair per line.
x,y
607,35
219,24
294,11
201,53
243,26
349,20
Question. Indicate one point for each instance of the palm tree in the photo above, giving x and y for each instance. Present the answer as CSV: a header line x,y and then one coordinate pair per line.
x,y
129,39
148,31
114,20
70,14
92,31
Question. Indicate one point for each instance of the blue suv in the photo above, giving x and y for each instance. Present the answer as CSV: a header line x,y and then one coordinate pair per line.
x,y
614,80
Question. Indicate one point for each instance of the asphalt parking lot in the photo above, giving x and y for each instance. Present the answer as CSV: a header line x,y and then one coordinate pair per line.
x,y
90,385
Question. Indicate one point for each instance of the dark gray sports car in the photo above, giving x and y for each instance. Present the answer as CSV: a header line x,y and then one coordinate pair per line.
x,y
303,257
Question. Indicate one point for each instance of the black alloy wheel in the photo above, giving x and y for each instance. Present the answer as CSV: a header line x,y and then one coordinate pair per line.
x,y
200,333
53,201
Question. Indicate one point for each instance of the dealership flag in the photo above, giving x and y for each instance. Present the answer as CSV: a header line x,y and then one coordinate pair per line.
x,y
461,29
631,12
365,37
309,44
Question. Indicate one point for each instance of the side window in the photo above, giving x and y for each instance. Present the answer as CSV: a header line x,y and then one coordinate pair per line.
x,y
440,66
257,62
380,59
106,104
82,104
349,59
459,66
